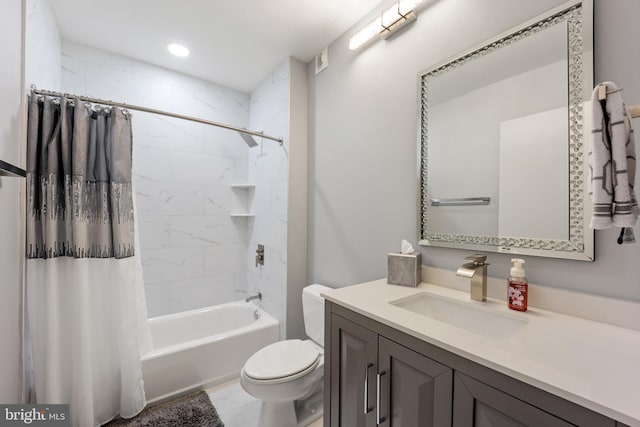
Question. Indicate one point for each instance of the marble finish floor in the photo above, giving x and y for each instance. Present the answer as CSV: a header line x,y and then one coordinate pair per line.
x,y
236,407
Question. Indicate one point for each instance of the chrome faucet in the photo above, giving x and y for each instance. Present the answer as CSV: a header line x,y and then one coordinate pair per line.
x,y
476,270
256,296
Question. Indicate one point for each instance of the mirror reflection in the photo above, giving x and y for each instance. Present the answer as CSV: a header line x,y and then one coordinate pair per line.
x,y
492,119
494,134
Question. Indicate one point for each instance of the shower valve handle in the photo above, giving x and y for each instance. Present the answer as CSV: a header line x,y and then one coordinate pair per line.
x,y
260,255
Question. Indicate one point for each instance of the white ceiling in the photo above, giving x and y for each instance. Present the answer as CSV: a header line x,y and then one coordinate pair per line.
x,y
236,43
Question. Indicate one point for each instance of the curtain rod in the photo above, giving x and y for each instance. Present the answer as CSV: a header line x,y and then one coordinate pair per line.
x,y
34,90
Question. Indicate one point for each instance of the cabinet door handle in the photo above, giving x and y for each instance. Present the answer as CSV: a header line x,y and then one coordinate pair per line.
x,y
380,419
367,409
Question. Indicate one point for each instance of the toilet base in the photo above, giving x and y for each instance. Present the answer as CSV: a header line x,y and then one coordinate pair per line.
x,y
281,414
310,409
291,414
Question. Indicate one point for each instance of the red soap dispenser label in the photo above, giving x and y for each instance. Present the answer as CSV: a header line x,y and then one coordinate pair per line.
x,y
517,296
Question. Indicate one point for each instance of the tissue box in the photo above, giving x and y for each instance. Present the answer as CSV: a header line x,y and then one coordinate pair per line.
x,y
404,269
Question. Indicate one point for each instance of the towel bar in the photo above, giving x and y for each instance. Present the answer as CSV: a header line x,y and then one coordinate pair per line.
x,y
461,201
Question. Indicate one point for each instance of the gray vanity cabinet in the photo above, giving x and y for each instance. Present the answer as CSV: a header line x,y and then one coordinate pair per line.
x,y
353,375
375,381
479,405
378,375
414,390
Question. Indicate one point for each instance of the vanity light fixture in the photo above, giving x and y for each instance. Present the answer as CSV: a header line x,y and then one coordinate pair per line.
x,y
390,21
178,50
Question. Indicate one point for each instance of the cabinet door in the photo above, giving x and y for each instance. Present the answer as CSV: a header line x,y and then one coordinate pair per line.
x,y
476,404
354,355
414,390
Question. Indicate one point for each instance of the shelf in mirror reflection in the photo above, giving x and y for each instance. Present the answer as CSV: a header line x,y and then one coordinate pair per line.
x,y
243,186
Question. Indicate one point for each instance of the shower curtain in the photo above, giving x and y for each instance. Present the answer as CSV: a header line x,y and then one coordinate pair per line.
x,y
85,296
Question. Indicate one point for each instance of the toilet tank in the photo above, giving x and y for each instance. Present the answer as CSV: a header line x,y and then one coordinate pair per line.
x,y
313,311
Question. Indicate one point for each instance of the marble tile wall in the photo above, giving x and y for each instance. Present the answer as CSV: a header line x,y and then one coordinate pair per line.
x,y
193,252
42,46
269,169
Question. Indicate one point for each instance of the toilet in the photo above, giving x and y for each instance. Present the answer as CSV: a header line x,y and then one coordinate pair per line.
x,y
287,375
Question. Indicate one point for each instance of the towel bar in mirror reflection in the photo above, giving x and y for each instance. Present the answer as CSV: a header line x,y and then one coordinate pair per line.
x,y
461,201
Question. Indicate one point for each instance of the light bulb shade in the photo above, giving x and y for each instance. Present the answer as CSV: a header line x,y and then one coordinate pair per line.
x,y
399,23
364,35
391,20
178,50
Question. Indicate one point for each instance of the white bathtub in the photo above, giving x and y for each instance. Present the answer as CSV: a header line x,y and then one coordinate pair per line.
x,y
200,348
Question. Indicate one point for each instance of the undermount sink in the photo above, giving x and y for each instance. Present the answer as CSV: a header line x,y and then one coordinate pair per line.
x,y
471,316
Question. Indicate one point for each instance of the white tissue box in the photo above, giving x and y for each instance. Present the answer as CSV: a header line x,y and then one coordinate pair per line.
x,y
404,269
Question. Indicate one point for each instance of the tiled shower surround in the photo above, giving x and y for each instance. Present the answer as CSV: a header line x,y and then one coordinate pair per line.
x,y
194,253
269,168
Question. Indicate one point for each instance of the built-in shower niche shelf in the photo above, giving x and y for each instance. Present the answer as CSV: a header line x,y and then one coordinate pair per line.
x,y
243,186
241,215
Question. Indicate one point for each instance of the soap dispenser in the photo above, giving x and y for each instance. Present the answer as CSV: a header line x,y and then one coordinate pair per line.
x,y
518,286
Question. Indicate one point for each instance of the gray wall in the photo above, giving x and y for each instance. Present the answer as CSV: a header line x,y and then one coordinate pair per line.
x,y
363,133
297,198
11,266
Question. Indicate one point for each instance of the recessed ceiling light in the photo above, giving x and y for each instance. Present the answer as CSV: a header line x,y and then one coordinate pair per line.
x,y
178,50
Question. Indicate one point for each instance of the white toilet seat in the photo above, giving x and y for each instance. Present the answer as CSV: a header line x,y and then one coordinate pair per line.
x,y
282,361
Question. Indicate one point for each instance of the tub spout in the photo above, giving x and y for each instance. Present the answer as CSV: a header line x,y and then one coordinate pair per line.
x,y
256,296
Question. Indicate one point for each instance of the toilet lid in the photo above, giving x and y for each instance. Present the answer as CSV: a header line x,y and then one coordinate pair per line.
x,y
281,359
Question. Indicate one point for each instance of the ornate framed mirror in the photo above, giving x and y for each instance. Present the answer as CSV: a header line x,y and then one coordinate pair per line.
x,y
502,148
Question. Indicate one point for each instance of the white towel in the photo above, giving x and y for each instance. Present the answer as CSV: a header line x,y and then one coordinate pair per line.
x,y
612,162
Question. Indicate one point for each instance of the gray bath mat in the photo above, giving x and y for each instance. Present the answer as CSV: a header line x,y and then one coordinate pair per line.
x,y
194,410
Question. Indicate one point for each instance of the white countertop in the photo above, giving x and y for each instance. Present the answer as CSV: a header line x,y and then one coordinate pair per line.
x,y
593,364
